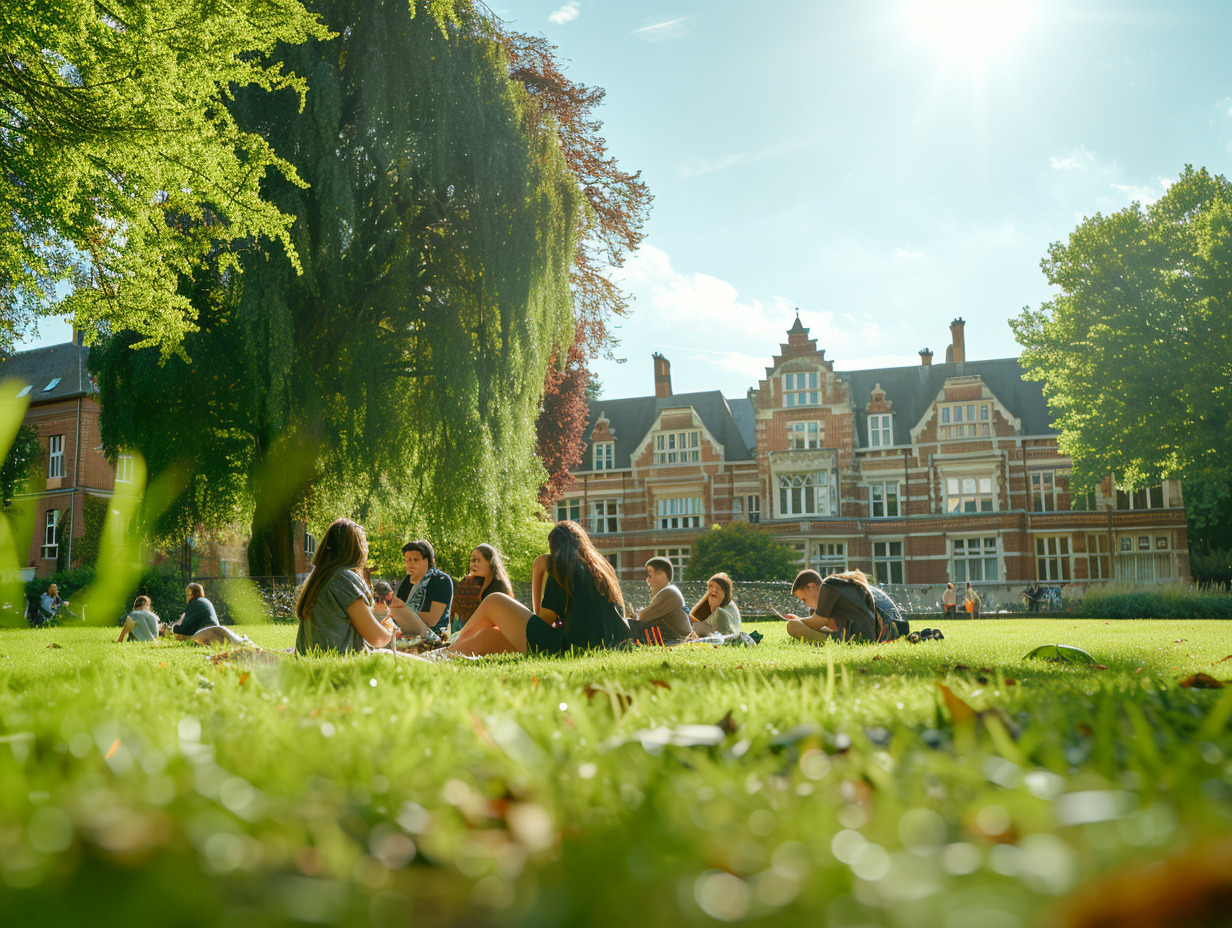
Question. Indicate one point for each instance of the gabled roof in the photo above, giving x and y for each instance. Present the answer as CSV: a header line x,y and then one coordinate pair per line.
x,y
729,421
38,367
912,389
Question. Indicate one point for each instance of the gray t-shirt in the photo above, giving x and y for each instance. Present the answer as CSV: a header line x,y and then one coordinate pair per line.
x,y
726,619
146,628
327,626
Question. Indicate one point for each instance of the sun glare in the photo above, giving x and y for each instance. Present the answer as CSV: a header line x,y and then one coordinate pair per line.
x,y
968,31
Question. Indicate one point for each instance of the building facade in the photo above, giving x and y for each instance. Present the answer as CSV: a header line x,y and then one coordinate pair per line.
x,y
917,475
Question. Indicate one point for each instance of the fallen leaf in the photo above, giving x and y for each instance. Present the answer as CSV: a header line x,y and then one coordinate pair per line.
x,y
115,746
53,645
958,667
1085,730
1222,659
1139,670
727,723
1202,681
876,657
662,684
1010,681
1179,640
243,678
1099,666
960,712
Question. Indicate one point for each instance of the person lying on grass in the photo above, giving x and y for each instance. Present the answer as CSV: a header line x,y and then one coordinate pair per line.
x,y
141,624
572,583
199,622
716,612
335,607
666,610
833,614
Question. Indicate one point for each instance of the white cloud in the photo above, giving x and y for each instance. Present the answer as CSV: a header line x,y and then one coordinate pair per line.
x,y
1078,160
661,32
1146,194
566,14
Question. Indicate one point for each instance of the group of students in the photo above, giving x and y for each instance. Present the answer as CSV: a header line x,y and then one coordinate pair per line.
x,y
198,623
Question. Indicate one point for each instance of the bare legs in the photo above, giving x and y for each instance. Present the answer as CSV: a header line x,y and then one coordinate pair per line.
x,y
219,634
498,626
812,629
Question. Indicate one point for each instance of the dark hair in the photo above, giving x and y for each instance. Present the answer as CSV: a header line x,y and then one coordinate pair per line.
x,y
661,564
570,552
424,547
196,589
702,611
949,586
141,602
499,574
804,578
343,545
382,588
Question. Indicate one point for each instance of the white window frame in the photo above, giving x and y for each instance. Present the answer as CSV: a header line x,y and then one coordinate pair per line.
x,y
1099,557
604,455
1054,562
806,435
964,420
604,516
969,552
55,457
310,544
679,558
888,561
569,509
880,430
673,512
1142,499
682,446
752,506
51,536
1142,560
966,494
801,388
807,493
883,495
124,469
1046,490
828,556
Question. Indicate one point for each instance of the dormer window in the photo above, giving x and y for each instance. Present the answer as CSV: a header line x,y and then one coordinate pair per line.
x,y
605,455
678,447
880,430
800,389
964,420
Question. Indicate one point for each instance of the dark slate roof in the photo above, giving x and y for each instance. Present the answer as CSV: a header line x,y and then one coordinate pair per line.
x,y
910,390
729,421
40,366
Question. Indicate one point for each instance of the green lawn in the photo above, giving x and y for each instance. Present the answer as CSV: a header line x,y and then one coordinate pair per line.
x,y
142,784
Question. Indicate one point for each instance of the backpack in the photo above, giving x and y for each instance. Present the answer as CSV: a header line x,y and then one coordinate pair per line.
x,y
887,618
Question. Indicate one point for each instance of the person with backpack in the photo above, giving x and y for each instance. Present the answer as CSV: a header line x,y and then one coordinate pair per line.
x,y
845,607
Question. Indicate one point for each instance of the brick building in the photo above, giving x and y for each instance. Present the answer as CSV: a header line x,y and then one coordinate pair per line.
x,y
917,475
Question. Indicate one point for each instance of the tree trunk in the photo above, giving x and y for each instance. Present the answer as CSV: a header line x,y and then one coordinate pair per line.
x,y
271,550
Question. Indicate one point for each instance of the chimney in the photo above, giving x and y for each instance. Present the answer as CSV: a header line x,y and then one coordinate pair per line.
x,y
663,376
958,351
926,357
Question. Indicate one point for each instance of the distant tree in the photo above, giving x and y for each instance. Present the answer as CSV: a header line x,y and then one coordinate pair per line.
x,y
743,551
120,164
1135,352
560,428
18,463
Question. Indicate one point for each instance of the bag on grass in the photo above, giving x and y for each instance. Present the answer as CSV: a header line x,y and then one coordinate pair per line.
x,y
970,605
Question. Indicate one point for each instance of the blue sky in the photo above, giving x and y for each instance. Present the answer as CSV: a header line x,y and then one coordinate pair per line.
x,y
884,165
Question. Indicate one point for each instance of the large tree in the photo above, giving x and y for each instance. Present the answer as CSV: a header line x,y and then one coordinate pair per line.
x,y
741,550
120,164
1135,351
398,377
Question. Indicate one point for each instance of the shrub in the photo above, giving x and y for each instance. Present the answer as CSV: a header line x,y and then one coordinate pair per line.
x,y
1213,566
743,551
1177,601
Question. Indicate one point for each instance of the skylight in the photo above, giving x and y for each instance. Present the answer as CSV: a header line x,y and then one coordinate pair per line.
x,y
25,389
52,385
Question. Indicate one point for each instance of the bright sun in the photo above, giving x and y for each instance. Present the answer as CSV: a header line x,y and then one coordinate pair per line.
x,y
968,31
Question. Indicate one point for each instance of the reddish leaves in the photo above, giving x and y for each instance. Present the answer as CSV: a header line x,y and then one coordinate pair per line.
x,y
1202,681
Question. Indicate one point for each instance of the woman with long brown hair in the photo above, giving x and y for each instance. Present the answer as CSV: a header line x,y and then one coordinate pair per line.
x,y
487,565
716,612
335,606
574,585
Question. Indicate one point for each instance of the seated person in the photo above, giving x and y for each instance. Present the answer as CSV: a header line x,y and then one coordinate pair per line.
x,y
851,617
421,604
665,614
382,593
334,607
141,624
199,622
716,612
487,565
51,605
573,583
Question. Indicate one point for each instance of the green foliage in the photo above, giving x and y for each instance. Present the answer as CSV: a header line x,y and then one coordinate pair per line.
x,y
144,784
398,378
94,517
743,551
121,166
22,456
1176,602
1211,566
1135,353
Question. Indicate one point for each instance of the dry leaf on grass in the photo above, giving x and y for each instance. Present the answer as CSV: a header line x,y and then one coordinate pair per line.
x,y
1202,681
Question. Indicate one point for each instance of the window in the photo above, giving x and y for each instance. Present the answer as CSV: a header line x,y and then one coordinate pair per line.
x,y
677,447
1052,559
887,562
801,549
605,516
1047,486
55,456
968,494
1146,498
800,389
811,494
804,435
679,512
614,560
880,431
964,420
569,509
310,544
678,556
605,455
752,504
829,557
1140,563
883,499
124,468
51,533
975,559
1099,564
